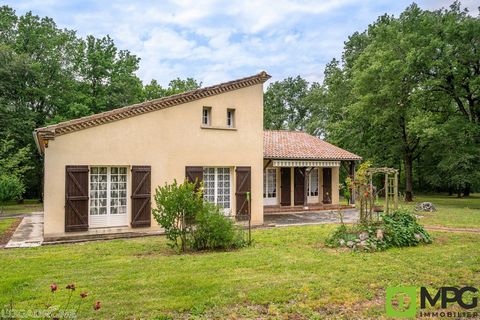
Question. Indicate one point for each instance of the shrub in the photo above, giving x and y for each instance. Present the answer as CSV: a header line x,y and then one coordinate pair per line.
x,y
403,230
191,223
11,188
177,207
398,229
215,231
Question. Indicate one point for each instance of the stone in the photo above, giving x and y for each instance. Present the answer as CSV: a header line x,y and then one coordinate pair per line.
x,y
425,207
363,236
379,234
418,237
342,243
350,244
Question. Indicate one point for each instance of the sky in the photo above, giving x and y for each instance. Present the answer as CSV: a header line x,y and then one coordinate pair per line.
x,y
215,41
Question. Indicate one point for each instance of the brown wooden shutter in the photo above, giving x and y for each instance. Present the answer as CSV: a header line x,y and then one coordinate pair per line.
x,y
141,195
194,174
76,198
243,185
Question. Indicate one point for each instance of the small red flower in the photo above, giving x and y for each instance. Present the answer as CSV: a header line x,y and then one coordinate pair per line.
x,y
96,306
53,287
71,286
83,295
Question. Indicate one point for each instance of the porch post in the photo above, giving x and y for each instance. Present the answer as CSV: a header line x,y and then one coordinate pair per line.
x,y
292,186
352,176
305,187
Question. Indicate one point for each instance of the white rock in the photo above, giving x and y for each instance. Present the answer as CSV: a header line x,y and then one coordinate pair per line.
x,y
380,234
363,236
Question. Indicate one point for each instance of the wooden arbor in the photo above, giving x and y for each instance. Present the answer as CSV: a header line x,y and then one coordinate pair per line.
x,y
391,186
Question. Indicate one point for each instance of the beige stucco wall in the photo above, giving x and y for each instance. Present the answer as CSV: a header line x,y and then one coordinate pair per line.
x,y
167,140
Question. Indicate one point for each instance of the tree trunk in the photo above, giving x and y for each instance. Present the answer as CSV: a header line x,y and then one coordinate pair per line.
x,y
408,178
466,191
450,190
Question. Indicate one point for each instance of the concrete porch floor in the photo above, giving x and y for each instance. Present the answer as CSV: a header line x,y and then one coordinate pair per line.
x,y
310,217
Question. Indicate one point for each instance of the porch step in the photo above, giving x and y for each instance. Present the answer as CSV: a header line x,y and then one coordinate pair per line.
x,y
98,237
278,209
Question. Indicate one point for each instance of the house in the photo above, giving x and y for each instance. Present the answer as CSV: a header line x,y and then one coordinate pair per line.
x,y
101,171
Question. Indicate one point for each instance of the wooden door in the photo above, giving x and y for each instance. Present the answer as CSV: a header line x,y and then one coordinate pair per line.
x,y
327,185
299,186
285,186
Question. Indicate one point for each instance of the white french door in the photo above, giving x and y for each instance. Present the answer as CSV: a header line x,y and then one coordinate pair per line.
x,y
108,197
270,187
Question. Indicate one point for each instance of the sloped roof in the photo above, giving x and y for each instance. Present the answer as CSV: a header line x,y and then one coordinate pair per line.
x,y
300,145
49,132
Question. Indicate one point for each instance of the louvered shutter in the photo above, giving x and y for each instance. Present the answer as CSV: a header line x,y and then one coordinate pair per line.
x,y
76,198
194,174
141,195
243,185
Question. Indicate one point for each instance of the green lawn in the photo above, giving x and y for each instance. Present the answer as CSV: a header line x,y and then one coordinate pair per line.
x,y
28,206
452,211
5,224
287,273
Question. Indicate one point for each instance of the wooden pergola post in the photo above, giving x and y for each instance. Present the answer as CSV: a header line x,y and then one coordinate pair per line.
x,y
352,176
395,191
386,193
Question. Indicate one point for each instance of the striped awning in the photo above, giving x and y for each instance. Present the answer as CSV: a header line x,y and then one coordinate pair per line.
x,y
306,163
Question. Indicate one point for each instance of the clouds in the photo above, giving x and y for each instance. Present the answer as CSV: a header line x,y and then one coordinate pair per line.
x,y
216,40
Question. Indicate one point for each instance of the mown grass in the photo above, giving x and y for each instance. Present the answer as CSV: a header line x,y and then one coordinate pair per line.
x,y
452,211
5,224
286,273
28,206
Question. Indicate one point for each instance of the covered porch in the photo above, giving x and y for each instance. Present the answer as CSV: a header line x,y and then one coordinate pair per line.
x,y
301,185
302,172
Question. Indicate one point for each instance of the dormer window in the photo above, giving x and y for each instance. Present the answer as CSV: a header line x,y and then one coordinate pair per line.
x,y
231,118
206,116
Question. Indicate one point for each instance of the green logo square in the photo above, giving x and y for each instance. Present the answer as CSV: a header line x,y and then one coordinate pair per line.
x,y
401,302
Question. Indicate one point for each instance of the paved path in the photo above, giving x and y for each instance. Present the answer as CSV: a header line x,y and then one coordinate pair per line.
x,y
29,233
13,215
311,217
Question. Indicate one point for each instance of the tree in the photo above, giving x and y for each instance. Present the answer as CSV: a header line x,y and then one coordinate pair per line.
x,y
11,188
154,91
285,106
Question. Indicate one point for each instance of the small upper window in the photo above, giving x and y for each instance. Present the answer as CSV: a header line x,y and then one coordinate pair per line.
x,y
230,118
206,116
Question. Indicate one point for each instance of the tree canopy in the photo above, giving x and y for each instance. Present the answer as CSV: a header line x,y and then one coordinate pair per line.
x,y
406,94
49,75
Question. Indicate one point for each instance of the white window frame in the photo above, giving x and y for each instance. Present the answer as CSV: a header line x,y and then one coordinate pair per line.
x,y
109,219
310,183
206,116
269,200
226,211
231,118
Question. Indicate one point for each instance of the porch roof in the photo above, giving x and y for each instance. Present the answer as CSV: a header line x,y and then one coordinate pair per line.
x,y
280,144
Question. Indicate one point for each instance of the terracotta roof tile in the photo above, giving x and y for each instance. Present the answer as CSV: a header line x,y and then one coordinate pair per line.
x,y
301,145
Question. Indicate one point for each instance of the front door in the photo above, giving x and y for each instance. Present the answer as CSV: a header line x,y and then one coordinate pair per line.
x,y
299,184
108,197
327,185
285,181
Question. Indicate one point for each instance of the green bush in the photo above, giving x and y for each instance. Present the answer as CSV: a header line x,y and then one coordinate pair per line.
x,y
177,207
190,223
397,229
403,230
215,231
11,188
